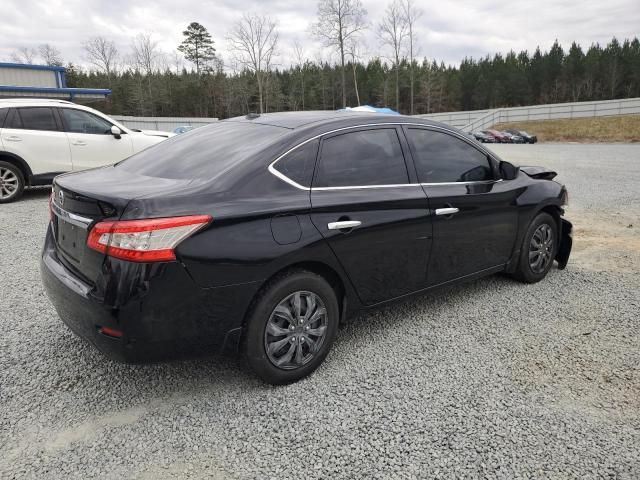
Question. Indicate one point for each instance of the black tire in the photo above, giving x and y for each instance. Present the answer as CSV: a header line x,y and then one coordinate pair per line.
x,y
528,271
284,288
11,182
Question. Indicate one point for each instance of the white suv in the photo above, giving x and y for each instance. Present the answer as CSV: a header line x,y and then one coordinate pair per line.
x,y
42,138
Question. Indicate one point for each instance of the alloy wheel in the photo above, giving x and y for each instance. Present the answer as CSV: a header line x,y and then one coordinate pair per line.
x,y
9,183
296,330
541,248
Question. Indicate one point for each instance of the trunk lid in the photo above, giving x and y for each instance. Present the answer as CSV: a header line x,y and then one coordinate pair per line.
x,y
82,199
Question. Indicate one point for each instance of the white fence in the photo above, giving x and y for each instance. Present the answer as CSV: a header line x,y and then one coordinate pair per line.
x,y
166,124
470,120
481,119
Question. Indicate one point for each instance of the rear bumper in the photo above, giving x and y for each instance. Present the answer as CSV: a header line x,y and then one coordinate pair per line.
x,y
160,311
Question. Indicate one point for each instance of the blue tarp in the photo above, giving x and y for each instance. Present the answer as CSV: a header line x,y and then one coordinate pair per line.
x,y
369,108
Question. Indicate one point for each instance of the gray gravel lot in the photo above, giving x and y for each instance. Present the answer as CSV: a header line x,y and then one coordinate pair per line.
x,y
492,379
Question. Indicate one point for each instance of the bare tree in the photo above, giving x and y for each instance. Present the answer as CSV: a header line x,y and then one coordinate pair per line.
x,y
253,41
393,31
338,21
145,53
411,14
102,53
301,64
145,56
353,50
50,54
24,55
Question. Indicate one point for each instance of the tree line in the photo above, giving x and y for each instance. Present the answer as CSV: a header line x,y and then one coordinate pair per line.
x,y
149,82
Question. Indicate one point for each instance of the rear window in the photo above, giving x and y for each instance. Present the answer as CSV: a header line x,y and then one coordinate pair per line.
x,y
204,153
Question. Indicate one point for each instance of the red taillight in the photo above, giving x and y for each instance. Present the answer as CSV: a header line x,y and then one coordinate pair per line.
x,y
110,332
149,240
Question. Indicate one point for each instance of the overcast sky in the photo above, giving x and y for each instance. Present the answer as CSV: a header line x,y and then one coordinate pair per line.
x,y
448,30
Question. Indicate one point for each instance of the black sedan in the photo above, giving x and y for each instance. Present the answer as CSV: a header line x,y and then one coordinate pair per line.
x,y
526,137
483,137
262,234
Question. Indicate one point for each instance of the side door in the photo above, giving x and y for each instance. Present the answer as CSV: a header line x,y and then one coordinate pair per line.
x,y
372,212
92,143
475,216
35,135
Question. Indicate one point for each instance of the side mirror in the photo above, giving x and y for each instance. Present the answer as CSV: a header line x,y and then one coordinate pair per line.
x,y
116,132
508,171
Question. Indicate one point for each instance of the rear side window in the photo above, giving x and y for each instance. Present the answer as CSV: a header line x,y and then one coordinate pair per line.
x,y
78,121
298,165
366,157
37,118
444,158
206,152
3,115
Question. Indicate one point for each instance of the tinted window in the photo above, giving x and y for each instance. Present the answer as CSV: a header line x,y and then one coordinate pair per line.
x,y
78,121
37,118
205,153
3,115
445,158
367,157
298,165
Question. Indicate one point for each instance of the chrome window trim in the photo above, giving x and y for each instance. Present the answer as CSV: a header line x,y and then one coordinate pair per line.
x,y
286,179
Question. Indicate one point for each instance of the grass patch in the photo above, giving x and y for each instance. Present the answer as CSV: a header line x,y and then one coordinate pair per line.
x,y
585,130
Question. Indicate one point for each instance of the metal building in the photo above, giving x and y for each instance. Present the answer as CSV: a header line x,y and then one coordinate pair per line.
x,y
20,80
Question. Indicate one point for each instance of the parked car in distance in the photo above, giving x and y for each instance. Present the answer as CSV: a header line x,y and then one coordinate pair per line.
x,y
513,138
500,137
41,138
483,137
261,234
528,138
183,129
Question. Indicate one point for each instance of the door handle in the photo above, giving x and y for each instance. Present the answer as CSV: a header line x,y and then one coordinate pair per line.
x,y
446,211
79,143
343,225
13,138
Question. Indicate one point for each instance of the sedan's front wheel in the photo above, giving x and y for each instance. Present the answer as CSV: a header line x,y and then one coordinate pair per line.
x,y
539,248
291,327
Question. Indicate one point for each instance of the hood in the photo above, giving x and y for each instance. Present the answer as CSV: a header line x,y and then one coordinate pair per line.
x,y
539,173
155,133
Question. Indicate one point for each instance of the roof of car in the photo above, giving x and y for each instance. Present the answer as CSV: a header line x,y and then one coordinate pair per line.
x,y
294,120
16,102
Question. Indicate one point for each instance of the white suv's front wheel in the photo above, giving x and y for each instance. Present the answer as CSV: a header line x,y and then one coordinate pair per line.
x,y
11,182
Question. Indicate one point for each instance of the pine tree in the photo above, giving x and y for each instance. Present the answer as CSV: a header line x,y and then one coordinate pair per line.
x,y
197,46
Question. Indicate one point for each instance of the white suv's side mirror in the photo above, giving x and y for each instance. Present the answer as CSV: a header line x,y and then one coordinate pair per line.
x,y
115,131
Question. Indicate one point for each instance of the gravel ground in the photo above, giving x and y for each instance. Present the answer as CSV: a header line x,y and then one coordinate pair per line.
x,y
492,379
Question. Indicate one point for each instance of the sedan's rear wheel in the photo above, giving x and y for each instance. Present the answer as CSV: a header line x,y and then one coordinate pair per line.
x,y
539,248
291,327
11,182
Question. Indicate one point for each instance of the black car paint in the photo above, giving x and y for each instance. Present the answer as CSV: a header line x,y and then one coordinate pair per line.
x,y
201,300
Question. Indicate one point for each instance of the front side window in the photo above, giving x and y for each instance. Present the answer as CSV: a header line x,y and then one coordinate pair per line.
x,y
362,158
78,121
444,158
298,164
35,118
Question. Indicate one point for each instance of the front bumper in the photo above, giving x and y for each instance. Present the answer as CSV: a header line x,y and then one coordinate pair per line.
x,y
566,242
159,309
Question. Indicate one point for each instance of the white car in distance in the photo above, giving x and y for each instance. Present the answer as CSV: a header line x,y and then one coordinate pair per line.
x,y
41,138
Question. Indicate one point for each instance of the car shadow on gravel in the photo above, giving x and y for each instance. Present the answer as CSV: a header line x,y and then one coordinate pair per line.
x,y
35,193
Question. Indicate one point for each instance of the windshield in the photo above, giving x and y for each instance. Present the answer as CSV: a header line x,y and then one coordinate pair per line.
x,y
203,153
